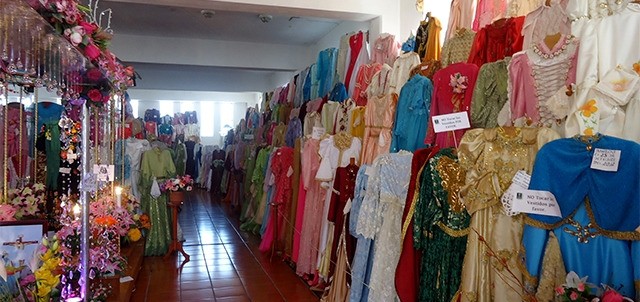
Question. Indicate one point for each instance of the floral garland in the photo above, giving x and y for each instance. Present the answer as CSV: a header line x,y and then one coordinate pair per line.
x,y
70,138
577,289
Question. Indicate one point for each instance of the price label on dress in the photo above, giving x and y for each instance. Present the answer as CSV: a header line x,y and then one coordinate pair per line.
x,y
605,160
536,202
65,170
248,137
522,179
104,172
289,172
450,122
318,132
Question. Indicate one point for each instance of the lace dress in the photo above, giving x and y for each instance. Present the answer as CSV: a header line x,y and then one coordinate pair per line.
x,y
361,265
381,218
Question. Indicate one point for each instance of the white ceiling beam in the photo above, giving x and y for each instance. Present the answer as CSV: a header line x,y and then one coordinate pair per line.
x,y
244,55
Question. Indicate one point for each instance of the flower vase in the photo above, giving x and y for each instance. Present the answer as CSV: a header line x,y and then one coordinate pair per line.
x,y
176,197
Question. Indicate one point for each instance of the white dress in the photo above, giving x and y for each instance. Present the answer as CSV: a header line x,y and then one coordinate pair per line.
x,y
381,216
134,149
335,151
605,108
402,70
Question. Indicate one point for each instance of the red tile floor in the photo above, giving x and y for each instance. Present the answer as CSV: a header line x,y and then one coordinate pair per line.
x,y
225,263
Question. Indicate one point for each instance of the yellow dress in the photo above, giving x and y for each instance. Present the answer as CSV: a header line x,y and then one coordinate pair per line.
x,y
356,122
491,158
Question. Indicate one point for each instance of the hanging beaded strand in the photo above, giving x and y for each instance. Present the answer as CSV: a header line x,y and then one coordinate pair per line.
x,y
20,176
5,153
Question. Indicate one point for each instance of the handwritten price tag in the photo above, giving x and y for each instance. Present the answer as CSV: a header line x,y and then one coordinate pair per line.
x,y
318,132
605,160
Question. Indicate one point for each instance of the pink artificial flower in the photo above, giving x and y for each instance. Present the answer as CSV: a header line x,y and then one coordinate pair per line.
x,y
92,51
581,287
611,295
7,212
559,290
89,28
573,296
94,74
95,95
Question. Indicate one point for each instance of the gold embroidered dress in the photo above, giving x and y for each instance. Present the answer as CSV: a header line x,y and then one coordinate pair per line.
x,y
491,157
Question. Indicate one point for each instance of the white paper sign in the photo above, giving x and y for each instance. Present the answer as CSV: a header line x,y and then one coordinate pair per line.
x,y
65,170
126,279
536,202
519,182
450,122
318,132
104,172
289,172
522,178
605,160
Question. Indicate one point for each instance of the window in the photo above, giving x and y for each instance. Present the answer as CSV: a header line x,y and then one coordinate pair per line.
x,y
226,118
166,108
205,117
187,106
135,105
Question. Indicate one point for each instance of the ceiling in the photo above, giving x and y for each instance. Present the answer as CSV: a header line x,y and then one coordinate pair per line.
x,y
186,22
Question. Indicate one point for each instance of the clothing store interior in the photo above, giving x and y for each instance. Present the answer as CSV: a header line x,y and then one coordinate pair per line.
x,y
272,150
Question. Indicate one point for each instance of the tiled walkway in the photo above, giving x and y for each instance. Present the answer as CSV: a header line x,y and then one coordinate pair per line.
x,y
225,263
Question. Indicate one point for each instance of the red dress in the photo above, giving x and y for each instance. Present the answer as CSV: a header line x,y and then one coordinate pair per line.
x,y
408,270
282,170
496,41
445,101
363,79
343,188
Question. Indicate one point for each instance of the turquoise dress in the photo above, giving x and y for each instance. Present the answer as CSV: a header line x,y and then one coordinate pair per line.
x,y
600,213
156,163
412,115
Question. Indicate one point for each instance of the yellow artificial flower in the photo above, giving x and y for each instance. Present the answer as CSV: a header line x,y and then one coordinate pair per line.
x,y
134,234
636,67
588,131
589,108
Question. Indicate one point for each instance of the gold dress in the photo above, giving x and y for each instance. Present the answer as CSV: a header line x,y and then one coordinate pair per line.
x,y
491,158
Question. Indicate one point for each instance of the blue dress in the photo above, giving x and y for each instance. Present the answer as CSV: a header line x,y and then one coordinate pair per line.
x,y
326,70
412,115
600,212
361,267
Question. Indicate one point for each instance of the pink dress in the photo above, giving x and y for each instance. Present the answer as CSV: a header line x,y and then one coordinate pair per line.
x,y
546,20
536,75
460,16
281,169
363,79
313,204
445,101
385,49
487,11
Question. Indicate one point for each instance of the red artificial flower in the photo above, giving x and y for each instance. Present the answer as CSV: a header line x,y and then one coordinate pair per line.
x,y
92,51
94,74
89,28
95,95
611,295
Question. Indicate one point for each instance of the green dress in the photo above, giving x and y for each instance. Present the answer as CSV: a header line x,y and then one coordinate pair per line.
x,y
180,158
489,94
257,181
249,165
156,163
440,227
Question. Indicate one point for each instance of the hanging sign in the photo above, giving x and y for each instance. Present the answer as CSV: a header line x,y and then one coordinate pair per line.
x,y
536,202
104,172
249,137
605,160
450,122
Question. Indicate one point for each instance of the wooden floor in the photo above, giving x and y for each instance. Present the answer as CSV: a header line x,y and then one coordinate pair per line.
x,y
225,263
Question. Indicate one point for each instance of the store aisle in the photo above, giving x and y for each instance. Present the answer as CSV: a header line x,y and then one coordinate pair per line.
x,y
225,263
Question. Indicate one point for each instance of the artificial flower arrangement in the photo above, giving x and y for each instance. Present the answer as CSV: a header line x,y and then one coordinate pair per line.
x,y
180,183
55,271
577,289
458,83
24,203
73,21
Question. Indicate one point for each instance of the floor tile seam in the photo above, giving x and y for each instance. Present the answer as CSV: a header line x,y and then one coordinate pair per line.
x,y
250,251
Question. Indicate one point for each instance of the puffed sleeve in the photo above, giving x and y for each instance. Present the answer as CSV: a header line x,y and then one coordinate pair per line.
x,y
479,111
477,55
327,165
